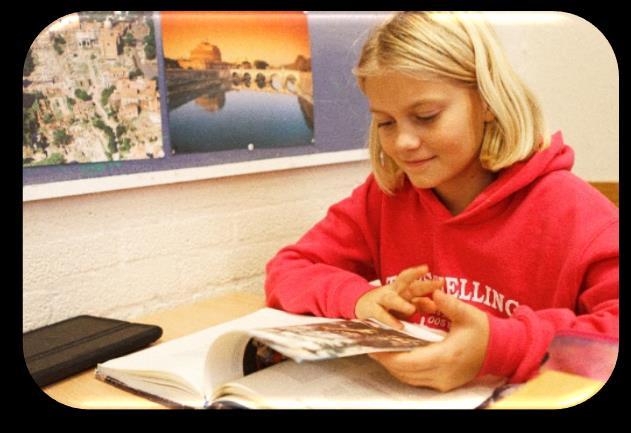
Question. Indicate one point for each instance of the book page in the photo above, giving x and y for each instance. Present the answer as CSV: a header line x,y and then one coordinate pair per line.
x,y
224,361
199,363
340,338
302,339
183,361
346,383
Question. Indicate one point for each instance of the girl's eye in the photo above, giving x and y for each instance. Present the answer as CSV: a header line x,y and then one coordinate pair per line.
x,y
384,123
428,118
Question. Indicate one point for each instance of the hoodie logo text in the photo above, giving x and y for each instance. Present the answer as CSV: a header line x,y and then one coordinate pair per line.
x,y
470,291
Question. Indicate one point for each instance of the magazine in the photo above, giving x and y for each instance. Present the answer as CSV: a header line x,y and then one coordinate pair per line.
x,y
273,359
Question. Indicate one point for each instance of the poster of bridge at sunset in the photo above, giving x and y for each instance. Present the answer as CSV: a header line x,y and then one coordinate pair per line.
x,y
237,80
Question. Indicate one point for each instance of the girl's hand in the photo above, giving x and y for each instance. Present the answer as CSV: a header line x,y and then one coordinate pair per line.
x,y
401,298
450,363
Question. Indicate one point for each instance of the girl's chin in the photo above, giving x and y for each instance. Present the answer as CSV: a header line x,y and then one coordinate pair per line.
x,y
421,182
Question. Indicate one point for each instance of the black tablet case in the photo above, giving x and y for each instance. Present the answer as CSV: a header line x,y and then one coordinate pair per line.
x,y
62,349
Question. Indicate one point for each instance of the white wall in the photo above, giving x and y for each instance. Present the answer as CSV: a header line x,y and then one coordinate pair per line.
x,y
127,253
570,66
123,254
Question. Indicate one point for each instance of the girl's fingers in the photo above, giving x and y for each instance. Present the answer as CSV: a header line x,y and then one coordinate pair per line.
x,y
416,289
384,317
424,305
409,275
394,302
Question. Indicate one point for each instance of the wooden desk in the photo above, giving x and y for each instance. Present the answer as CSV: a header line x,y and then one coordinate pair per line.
x,y
84,391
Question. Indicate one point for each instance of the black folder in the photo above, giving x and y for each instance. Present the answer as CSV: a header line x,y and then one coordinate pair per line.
x,y
59,350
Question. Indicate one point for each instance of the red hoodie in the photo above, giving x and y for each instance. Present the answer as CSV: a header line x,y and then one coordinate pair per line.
x,y
537,250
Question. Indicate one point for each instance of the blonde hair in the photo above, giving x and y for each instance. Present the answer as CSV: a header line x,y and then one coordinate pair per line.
x,y
457,46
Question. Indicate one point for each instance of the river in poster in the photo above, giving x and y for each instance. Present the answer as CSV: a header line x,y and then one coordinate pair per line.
x,y
237,81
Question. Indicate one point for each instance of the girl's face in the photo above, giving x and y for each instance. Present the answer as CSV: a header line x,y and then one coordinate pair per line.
x,y
431,129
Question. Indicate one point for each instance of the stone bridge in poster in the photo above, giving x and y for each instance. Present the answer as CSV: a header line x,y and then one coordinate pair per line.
x,y
186,84
281,80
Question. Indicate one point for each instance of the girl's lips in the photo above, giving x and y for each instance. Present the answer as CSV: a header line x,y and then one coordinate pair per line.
x,y
418,163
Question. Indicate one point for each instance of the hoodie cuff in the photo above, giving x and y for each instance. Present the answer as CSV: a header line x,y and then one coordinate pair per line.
x,y
507,347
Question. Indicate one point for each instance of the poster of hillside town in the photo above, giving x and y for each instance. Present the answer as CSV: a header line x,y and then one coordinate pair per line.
x,y
90,91
237,80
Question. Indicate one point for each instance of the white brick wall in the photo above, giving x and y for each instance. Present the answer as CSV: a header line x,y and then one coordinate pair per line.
x,y
128,253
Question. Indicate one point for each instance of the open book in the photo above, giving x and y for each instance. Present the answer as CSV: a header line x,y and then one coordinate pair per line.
x,y
273,359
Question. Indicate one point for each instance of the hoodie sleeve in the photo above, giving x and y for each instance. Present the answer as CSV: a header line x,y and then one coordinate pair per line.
x,y
330,267
518,344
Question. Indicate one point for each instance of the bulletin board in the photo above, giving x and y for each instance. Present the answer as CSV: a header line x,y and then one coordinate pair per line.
x,y
125,99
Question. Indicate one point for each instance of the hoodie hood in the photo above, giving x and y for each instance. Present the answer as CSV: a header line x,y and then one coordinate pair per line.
x,y
557,156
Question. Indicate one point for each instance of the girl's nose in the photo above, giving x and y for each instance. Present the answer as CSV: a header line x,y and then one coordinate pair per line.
x,y
407,140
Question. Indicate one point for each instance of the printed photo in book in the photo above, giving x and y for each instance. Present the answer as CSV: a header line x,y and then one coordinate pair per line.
x,y
273,359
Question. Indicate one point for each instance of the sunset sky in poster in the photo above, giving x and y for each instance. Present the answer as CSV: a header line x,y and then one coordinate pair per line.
x,y
277,38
